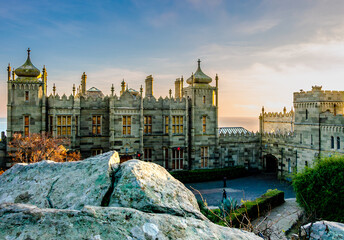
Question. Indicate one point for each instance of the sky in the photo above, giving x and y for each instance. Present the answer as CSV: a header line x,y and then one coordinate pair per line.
x,y
262,50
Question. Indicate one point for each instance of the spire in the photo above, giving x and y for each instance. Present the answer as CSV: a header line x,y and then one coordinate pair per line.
x,y
9,72
54,89
141,90
199,63
170,92
112,89
28,52
74,90
13,74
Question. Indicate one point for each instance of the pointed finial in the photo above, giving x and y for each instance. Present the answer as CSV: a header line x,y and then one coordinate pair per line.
x,y
216,77
54,89
263,109
182,78
141,89
170,92
13,74
199,63
112,89
28,52
73,89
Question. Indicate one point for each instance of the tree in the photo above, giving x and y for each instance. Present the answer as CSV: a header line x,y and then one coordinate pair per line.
x,y
37,147
320,190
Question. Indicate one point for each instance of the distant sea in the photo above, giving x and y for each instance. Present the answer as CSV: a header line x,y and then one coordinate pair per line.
x,y
250,123
3,125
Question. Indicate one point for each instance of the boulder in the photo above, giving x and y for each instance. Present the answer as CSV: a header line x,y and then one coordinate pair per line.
x,y
98,198
150,188
67,185
21,221
324,230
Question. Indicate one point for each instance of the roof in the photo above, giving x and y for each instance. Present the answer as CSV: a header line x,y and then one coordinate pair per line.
x,y
93,89
27,69
199,76
233,130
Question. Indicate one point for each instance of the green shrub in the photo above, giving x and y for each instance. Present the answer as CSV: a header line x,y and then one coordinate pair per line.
x,y
204,175
320,189
251,209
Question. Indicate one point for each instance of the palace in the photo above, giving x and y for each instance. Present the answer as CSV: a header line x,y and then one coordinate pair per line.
x,y
177,132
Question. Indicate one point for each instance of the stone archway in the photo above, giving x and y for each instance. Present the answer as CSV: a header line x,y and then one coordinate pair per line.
x,y
271,163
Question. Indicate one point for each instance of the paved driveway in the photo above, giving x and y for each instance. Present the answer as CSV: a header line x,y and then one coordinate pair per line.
x,y
246,188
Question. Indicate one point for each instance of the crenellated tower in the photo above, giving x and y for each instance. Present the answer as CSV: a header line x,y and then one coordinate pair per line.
x,y
26,105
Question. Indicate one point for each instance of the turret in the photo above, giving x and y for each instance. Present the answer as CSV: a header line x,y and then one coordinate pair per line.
x,y
149,86
123,87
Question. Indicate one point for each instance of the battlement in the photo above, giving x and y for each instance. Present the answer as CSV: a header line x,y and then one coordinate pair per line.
x,y
318,95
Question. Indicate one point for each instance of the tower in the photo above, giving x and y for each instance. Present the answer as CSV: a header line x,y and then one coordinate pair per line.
x,y
203,139
26,100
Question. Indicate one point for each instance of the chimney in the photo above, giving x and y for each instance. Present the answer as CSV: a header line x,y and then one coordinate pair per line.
x,y
83,83
149,86
177,88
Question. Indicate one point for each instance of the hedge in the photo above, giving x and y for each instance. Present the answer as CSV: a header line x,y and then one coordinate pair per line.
x,y
251,209
320,189
204,175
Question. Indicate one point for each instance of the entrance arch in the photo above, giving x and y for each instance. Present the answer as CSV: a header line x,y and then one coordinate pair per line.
x,y
271,163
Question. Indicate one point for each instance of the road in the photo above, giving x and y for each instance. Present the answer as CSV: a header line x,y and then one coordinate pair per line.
x,y
247,188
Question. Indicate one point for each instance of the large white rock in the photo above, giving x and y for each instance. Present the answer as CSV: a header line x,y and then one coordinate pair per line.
x,y
150,188
324,230
68,185
21,221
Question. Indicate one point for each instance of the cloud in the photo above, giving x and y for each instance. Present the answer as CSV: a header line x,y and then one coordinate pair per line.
x,y
256,26
161,20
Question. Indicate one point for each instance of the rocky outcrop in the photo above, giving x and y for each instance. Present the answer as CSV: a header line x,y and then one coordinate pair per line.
x,y
98,198
69,185
150,188
324,230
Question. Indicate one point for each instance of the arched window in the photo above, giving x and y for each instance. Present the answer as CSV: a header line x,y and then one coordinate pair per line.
x,y
332,142
338,142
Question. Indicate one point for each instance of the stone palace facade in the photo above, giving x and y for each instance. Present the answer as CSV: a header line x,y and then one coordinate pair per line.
x,y
177,132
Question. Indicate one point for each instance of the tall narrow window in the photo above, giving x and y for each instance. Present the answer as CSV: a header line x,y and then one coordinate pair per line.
x,y
306,114
147,156
177,158
300,138
147,125
332,142
76,125
214,98
311,139
165,156
204,123
64,125
203,99
126,125
51,124
204,157
26,125
289,165
166,124
177,124
338,142
96,125
26,96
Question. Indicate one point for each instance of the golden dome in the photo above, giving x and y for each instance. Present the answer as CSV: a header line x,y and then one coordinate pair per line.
x,y
27,69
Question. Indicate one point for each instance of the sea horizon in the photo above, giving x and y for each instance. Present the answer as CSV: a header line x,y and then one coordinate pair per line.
x,y
249,123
